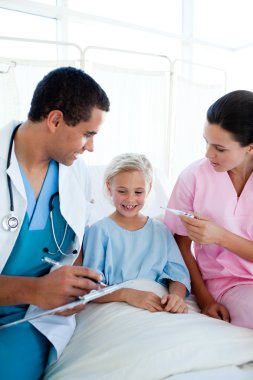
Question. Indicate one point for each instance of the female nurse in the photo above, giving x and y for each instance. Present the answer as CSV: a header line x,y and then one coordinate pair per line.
x,y
218,189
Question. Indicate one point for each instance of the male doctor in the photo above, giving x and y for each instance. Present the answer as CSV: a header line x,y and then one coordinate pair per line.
x,y
43,213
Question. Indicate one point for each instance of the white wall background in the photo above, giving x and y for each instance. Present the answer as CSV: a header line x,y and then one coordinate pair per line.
x,y
161,62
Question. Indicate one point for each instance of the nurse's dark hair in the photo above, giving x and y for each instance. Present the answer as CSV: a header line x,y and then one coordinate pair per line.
x,y
234,113
71,91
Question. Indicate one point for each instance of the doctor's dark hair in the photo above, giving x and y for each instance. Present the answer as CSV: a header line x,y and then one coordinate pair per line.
x,y
234,113
129,162
70,91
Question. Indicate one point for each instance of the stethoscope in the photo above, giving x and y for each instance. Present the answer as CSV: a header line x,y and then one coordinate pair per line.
x,y
58,246
11,221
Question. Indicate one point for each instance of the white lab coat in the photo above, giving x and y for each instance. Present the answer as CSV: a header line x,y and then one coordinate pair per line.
x,y
74,193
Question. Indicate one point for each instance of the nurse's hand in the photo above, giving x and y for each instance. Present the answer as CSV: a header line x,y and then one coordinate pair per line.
x,y
63,285
216,310
203,230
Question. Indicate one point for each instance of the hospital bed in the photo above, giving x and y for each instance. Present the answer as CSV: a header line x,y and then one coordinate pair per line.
x,y
116,341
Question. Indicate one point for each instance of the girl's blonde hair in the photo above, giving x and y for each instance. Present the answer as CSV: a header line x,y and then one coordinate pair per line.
x,y
128,162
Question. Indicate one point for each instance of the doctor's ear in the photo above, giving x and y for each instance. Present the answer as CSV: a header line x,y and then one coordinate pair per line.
x,y
53,120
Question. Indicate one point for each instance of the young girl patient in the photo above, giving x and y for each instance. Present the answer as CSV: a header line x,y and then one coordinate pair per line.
x,y
127,244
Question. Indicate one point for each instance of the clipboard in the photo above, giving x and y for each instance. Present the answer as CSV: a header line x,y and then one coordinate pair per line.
x,y
82,300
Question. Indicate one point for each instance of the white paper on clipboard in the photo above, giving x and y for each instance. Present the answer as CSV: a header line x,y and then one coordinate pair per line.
x,y
81,301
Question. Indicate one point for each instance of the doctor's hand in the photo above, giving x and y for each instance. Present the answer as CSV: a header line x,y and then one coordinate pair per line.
x,y
203,230
63,285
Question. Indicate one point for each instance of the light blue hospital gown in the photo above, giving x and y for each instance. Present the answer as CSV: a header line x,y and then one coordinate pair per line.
x,y
121,255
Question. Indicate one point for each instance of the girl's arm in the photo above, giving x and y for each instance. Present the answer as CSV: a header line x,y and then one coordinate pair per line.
x,y
79,260
204,231
177,288
138,298
174,301
205,300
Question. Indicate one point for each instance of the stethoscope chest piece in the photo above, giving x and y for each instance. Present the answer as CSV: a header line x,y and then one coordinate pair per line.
x,y
10,222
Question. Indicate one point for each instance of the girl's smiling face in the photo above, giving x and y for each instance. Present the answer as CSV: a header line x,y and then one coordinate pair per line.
x,y
128,190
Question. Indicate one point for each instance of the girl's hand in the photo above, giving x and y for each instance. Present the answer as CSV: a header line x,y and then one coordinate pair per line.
x,y
174,304
144,300
202,231
216,310
74,310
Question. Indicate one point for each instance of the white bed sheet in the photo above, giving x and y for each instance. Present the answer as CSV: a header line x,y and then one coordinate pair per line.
x,y
222,373
116,341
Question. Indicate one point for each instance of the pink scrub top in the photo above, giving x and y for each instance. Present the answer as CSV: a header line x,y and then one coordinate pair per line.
x,y
201,189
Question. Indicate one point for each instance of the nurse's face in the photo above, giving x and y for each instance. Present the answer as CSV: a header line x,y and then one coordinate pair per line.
x,y
70,142
223,152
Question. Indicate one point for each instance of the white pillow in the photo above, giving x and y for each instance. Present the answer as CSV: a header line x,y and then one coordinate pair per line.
x,y
115,341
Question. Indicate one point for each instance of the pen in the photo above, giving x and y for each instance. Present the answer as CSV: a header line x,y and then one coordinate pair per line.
x,y
58,264
51,261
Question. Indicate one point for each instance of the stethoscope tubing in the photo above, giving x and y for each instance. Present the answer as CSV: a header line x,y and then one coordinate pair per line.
x,y
53,229
10,222
8,165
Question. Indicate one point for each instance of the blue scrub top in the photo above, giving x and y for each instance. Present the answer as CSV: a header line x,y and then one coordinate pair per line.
x,y
35,235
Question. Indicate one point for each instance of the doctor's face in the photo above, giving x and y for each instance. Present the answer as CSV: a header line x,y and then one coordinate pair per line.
x,y
71,141
223,152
